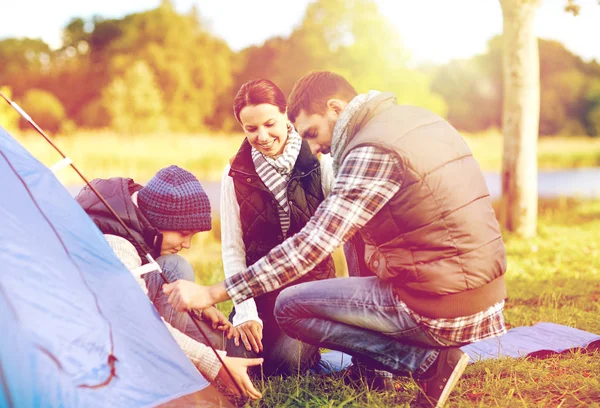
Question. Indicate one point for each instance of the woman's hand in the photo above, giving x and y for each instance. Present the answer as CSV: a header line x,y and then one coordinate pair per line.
x,y
239,370
251,334
218,321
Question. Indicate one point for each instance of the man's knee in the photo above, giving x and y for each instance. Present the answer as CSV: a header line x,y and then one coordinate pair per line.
x,y
176,267
284,306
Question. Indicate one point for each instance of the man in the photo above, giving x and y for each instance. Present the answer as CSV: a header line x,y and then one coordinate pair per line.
x,y
407,182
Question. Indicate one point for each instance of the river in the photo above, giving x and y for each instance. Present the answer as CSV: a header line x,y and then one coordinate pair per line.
x,y
583,183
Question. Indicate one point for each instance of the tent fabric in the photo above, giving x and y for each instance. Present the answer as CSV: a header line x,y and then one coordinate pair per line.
x,y
76,328
539,340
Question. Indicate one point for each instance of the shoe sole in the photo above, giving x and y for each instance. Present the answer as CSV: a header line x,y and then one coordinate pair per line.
x,y
454,377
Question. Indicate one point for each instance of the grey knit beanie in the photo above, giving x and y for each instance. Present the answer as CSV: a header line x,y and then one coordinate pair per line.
x,y
174,200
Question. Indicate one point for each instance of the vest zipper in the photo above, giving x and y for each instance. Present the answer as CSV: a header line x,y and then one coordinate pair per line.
x,y
287,197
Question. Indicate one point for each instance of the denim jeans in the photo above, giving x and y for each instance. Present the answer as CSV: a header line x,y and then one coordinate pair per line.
x,y
354,252
176,267
283,355
359,316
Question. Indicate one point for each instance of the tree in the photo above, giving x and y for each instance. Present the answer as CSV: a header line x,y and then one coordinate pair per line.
x,y
520,121
354,39
592,119
23,62
350,37
472,89
190,66
135,102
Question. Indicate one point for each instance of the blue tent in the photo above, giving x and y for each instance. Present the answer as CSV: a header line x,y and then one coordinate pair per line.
x,y
77,331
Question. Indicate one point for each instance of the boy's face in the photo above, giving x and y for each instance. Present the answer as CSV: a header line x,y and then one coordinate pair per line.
x,y
175,241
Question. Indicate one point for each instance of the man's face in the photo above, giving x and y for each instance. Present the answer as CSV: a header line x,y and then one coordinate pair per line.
x,y
175,241
317,130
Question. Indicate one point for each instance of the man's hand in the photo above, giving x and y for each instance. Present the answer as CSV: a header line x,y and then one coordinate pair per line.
x,y
218,321
251,334
185,295
239,369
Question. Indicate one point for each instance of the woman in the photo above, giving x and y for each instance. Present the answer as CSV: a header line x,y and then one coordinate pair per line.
x,y
269,191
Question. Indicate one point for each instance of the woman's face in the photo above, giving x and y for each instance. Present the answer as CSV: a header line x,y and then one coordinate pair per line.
x,y
265,128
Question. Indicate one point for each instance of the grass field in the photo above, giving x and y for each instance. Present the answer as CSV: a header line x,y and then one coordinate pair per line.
x,y
552,278
105,154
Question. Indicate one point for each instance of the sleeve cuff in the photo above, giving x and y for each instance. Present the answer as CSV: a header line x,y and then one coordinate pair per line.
x,y
237,288
236,322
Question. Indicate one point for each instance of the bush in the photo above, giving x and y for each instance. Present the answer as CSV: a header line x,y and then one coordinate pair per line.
x,y
134,102
593,119
44,108
9,118
94,115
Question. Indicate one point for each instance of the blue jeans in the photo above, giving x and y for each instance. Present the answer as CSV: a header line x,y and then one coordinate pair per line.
x,y
283,355
354,252
176,267
359,316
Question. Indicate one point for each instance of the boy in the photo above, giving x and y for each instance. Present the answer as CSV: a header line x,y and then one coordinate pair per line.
x,y
164,216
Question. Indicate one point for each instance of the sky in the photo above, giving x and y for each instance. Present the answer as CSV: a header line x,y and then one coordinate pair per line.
x,y
433,30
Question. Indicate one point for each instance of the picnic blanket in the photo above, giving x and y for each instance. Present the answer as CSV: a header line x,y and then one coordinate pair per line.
x,y
539,340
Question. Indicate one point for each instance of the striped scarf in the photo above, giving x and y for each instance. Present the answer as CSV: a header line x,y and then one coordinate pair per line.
x,y
340,138
275,173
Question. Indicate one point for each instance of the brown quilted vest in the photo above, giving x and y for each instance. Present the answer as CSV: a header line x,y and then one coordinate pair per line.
x,y
437,239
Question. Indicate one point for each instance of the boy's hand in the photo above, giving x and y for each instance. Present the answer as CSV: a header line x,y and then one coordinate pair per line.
x,y
239,369
185,295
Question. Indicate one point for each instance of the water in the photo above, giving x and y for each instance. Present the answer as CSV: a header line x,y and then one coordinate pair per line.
x,y
583,183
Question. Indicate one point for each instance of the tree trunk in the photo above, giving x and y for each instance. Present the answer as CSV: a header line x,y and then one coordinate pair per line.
x,y
520,118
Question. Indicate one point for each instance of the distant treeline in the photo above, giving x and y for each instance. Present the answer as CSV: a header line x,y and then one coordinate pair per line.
x,y
163,71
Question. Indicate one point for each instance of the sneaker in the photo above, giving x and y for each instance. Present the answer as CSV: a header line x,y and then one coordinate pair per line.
x,y
360,377
439,380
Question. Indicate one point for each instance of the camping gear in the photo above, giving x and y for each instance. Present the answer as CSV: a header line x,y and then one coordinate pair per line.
x,y
540,340
77,329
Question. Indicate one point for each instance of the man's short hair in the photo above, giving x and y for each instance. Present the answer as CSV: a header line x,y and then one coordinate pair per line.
x,y
311,93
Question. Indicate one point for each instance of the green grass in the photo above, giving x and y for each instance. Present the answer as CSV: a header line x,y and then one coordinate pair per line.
x,y
107,154
554,153
554,277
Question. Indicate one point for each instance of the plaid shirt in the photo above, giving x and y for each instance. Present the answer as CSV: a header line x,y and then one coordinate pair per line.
x,y
368,178
465,329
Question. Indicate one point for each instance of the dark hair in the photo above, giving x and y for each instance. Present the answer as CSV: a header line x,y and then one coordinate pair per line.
x,y
313,90
256,92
